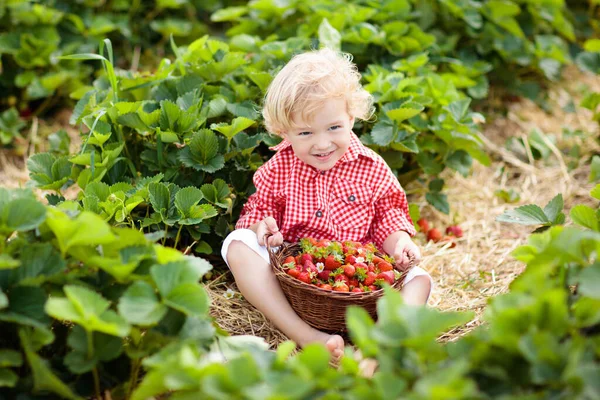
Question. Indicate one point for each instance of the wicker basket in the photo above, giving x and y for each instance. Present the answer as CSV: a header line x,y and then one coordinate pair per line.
x,y
322,309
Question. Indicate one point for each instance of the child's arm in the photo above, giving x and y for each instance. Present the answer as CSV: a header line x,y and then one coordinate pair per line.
x,y
267,226
403,249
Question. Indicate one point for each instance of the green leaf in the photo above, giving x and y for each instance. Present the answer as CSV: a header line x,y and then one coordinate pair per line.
x,y
592,45
43,377
87,229
595,192
8,378
328,36
202,153
529,214
3,300
554,207
458,109
10,358
589,62
383,133
170,275
7,262
21,214
402,114
315,358
360,325
584,216
439,201
159,197
39,262
189,298
186,199
237,125
595,169
589,279
229,14
88,309
139,305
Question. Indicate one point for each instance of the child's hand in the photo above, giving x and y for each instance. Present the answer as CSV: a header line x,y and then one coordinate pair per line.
x,y
268,226
406,253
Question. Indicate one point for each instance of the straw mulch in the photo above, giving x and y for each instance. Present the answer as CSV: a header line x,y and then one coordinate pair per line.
x,y
480,266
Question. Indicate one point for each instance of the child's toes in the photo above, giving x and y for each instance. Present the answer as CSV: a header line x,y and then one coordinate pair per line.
x,y
335,345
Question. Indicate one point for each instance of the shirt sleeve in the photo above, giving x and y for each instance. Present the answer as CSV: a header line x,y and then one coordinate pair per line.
x,y
391,214
262,203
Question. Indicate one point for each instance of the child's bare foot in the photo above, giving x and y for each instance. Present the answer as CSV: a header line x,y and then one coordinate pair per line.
x,y
334,343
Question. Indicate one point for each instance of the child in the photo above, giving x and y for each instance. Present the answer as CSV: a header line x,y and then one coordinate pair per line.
x,y
321,183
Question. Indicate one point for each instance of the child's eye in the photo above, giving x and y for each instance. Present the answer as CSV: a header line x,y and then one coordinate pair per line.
x,y
304,134
334,127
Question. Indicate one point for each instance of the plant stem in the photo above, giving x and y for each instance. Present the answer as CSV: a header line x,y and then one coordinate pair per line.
x,y
90,348
177,237
135,370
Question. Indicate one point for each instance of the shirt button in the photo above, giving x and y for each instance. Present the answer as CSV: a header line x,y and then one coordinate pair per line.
x,y
319,213
351,197
322,172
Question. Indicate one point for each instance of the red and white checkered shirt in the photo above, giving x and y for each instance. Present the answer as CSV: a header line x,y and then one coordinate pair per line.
x,y
358,199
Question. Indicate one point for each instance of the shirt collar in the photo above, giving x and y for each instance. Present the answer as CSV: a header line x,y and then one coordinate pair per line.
x,y
355,149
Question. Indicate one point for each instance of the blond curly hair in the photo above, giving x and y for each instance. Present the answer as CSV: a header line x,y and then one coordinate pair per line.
x,y
306,82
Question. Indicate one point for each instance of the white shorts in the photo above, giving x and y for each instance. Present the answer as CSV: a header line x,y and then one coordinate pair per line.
x,y
249,238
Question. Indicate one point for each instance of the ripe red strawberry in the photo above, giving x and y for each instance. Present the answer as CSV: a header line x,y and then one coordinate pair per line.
x,y
353,282
325,286
370,278
349,270
372,288
388,276
361,265
371,268
306,257
454,230
304,277
310,267
385,266
340,287
434,234
341,278
331,263
376,259
323,243
289,260
293,272
324,275
357,290
423,224
350,260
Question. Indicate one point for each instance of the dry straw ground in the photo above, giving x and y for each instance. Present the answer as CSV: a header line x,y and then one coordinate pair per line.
x,y
480,266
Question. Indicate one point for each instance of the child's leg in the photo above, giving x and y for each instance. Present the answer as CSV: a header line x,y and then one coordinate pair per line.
x,y
259,285
417,286
416,292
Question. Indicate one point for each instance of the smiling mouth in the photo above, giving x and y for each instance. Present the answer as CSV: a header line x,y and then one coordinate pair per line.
x,y
323,155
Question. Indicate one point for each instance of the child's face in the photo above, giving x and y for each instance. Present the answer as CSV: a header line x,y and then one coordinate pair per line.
x,y
327,138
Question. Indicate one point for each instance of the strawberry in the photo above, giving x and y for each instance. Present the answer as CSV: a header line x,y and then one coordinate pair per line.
x,y
306,257
361,265
323,243
372,288
370,278
293,272
388,276
454,230
289,260
325,286
376,259
357,290
341,278
385,266
434,234
324,275
340,287
349,270
423,224
332,263
371,268
353,282
304,277
350,259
